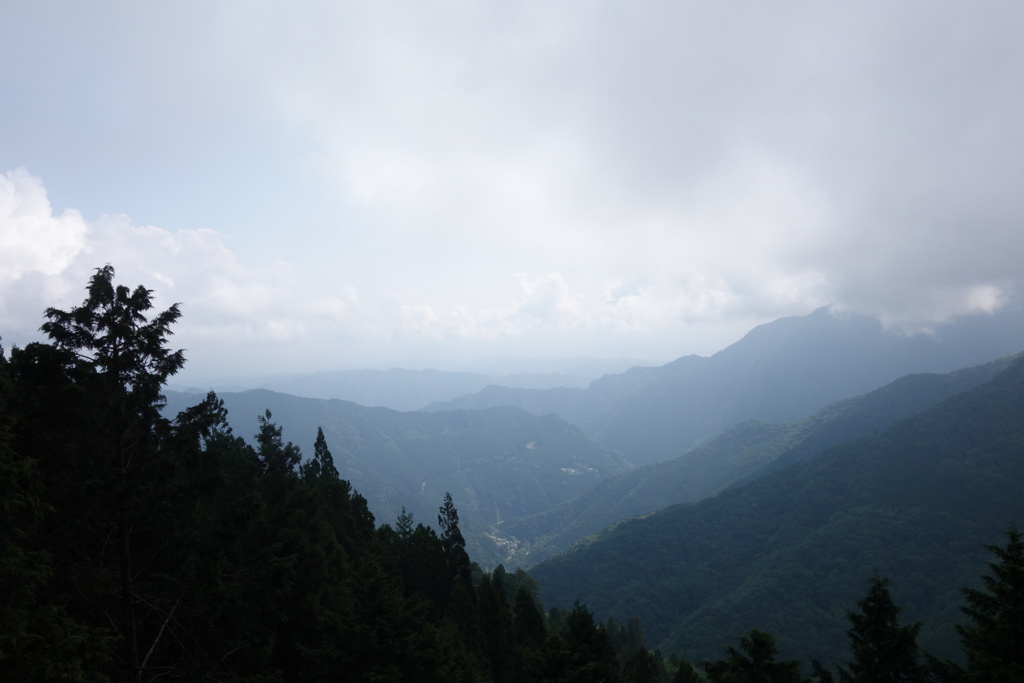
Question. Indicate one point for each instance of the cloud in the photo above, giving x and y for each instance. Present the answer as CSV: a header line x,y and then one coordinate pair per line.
x,y
46,260
358,176
793,156
33,240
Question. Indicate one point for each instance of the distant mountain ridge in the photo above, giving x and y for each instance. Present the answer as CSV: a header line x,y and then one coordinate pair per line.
x,y
741,453
779,372
499,464
406,389
789,552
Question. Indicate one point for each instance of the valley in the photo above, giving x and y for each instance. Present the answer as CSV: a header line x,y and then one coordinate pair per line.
x,y
758,524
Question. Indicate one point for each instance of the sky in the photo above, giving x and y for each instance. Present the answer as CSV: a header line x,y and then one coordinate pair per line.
x,y
339,185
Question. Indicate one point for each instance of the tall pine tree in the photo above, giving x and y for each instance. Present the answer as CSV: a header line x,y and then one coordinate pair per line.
x,y
994,639
119,357
883,650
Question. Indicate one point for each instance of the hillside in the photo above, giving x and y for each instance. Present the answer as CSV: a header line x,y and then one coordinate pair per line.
x,y
405,389
779,372
499,464
745,451
789,552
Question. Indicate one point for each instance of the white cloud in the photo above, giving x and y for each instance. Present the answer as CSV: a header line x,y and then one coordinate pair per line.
x,y
32,239
474,171
46,260
775,157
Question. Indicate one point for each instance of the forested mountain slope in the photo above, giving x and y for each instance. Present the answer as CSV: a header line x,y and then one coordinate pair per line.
x,y
742,452
587,408
780,372
500,464
790,551
404,389
141,547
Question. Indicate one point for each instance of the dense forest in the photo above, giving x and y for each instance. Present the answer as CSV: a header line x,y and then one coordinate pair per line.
x,y
788,552
500,464
748,451
781,371
139,547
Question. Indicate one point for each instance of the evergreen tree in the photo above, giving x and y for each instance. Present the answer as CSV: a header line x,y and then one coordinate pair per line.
x,y
278,459
641,667
883,650
591,654
119,357
754,662
452,542
403,525
529,622
135,547
38,640
495,620
994,639
686,674
322,463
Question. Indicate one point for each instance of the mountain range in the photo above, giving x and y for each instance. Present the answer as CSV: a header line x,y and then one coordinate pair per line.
x,y
555,466
790,551
779,372
499,463
405,389
741,453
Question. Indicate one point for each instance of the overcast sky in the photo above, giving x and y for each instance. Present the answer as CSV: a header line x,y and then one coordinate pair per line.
x,y
328,185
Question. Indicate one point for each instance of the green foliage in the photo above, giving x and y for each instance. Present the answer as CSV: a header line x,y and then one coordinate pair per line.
x,y
134,546
883,650
39,640
111,334
642,667
741,453
277,458
500,464
685,673
581,650
994,637
779,372
754,662
787,551
109,361
453,544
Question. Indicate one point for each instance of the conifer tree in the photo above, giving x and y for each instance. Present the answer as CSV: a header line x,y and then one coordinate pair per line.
x,y
591,653
883,650
38,641
277,458
120,357
322,456
994,639
452,541
641,667
686,673
754,662
529,622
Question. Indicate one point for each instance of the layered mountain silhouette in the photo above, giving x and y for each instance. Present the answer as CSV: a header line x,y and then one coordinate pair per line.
x,y
499,464
790,551
741,453
405,389
779,372
533,470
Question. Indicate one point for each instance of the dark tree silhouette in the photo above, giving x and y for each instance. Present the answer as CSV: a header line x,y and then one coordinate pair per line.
x,y
994,639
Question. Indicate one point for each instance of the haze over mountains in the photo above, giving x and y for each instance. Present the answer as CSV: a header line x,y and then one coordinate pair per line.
x,y
779,372
534,470
499,463
404,389
792,550
694,314
749,450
